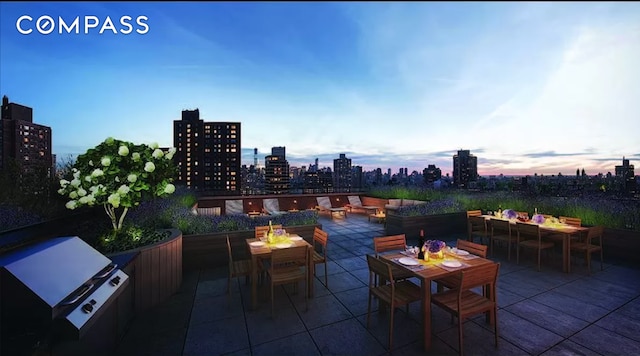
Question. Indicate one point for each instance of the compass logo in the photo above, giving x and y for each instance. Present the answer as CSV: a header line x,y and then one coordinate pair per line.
x,y
46,25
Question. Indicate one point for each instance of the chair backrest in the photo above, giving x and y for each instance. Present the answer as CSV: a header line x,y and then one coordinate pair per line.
x,y
546,216
528,231
480,276
472,247
233,207
474,213
477,221
378,271
260,230
500,226
389,243
354,200
320,237
595,233
271,206
571,221
288,257
324,202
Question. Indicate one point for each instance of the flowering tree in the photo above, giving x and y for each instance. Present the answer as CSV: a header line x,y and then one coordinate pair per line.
x,y
119,174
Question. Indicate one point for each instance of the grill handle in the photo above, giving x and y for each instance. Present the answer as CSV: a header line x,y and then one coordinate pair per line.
x,y
86,290
106,272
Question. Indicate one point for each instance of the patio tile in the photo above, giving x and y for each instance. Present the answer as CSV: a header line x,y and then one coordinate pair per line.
x,y
569,348
225,335
506,297
438,347
343,281
632,309
168,342
606,342
571,306
262,327
362,275
355,300
551,319
525,334
299,344
352,263
601,293
332,268
346,337
479,341
405,330
322,311
215,308
216,287
621,323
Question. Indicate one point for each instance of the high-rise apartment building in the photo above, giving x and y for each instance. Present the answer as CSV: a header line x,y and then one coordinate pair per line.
x,y
465,169
625,172
277,180
342,174
24,143
208,154
357,178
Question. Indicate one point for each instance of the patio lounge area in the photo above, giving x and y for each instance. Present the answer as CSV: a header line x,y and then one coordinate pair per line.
x,y
540,313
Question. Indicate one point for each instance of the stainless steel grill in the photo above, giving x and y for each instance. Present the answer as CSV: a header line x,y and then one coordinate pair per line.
x,y
54,290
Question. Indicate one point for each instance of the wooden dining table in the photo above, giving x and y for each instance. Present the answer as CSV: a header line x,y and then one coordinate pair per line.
x,y
263,252
428,271
566,231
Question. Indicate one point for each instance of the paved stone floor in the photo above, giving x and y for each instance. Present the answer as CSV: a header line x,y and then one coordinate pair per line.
x,y
540,313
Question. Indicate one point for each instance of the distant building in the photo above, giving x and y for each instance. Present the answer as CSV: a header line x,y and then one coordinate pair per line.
x,y
431,174
23,142
465,169
625,172
277,180
342,174
320,181
208,154
357,178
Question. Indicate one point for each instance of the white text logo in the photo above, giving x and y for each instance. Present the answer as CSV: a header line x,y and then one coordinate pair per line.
x,y
46,25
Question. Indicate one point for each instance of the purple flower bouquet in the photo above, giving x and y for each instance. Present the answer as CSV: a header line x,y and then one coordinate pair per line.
x,y
537,219
509,214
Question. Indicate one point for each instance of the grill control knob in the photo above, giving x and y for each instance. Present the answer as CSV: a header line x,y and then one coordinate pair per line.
x,y
115,281
87,308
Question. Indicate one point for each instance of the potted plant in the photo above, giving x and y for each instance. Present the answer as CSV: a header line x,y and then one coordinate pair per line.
x,y
119,175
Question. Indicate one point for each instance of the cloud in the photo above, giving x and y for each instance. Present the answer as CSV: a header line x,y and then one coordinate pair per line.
x,y
552,154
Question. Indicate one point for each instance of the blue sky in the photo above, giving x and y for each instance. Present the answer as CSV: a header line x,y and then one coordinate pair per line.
x,y
528,87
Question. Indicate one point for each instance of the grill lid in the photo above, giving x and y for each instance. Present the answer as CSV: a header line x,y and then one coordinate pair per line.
x,y
56,267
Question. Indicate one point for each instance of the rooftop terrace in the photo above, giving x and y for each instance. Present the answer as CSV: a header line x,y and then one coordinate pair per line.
x,y
540,313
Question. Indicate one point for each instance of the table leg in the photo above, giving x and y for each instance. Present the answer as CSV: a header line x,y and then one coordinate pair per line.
x,y
311,269
254,282
426,313
568,253
565,243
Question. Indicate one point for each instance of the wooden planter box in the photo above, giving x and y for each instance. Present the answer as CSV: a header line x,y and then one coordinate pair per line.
x,y
156,273
433,225
210,250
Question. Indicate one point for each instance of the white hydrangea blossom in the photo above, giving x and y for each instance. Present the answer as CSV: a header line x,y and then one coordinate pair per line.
x,y
123,150
149,167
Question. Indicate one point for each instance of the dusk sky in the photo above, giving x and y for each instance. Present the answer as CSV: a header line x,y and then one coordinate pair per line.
x,y
528,87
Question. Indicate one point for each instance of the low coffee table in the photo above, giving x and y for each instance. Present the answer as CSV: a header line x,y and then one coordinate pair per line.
x,y
380,216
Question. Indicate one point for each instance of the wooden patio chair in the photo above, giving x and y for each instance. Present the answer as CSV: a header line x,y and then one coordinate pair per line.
x,y
320,239
501,230
471,247
590,244
477,227
391,292
289,265
529,236
462,302
237,268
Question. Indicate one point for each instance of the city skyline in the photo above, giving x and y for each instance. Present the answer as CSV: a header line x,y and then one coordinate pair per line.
x,y
526,87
